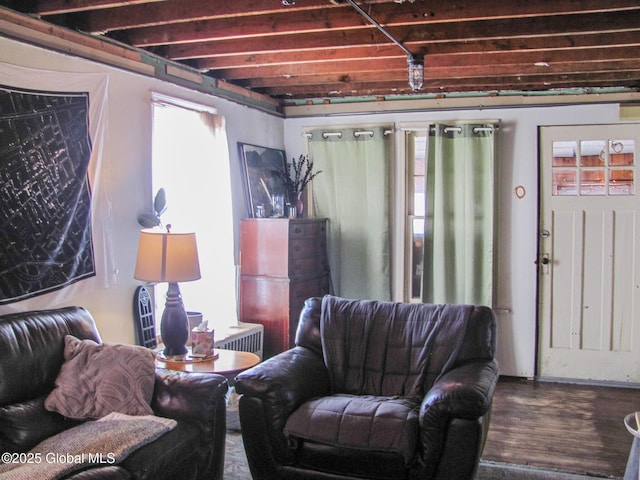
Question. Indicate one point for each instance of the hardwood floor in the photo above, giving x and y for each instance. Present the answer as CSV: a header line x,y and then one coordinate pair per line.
x,y
558,426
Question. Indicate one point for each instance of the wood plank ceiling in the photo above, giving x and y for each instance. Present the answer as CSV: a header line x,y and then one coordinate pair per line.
x,y
325,49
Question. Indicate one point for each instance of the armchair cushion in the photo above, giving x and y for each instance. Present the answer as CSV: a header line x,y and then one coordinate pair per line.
x,y
385,348
99,378
364,422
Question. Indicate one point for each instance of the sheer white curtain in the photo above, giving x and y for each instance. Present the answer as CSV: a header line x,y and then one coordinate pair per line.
x,y
353,192
459,214
191,162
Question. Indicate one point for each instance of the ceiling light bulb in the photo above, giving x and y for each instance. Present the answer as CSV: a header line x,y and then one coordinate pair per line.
x,y
415,62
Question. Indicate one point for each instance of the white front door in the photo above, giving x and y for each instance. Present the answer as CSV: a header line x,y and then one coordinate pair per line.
x,y
588,259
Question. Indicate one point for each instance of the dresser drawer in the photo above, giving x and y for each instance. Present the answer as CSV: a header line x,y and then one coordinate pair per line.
x,y
306,247
316,265
307,229
300,290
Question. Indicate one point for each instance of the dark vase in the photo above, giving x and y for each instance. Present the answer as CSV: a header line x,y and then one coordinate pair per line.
x,y
299,204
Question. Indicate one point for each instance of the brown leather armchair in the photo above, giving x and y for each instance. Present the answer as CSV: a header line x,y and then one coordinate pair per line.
x,y
375,390
31,346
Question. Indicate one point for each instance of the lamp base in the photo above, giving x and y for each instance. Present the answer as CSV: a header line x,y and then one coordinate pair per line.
x,y
174,328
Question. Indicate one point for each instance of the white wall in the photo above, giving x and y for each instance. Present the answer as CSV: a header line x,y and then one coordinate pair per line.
x,y
517,218
127,157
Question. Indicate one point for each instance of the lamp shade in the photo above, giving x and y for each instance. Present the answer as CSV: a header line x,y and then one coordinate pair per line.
x,y
167,257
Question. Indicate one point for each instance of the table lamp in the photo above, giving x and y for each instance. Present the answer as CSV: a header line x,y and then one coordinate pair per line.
x,y
169,257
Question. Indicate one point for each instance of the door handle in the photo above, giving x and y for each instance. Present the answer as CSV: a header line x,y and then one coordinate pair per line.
x,y
545,260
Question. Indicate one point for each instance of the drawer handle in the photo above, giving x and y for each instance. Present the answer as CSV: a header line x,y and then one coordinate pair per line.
x,y
297,248
297,230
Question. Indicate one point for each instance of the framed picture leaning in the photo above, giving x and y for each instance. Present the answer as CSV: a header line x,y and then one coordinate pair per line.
x,y
262,168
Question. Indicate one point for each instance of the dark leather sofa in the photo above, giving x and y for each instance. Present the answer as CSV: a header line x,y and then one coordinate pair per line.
x,y
31,355
425,370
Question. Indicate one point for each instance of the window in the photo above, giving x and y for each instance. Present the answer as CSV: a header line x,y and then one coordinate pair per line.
x,y
593,167
191,162
416,147
450,213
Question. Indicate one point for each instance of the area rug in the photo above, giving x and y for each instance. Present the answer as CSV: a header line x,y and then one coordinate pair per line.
x,y
236,467
235,460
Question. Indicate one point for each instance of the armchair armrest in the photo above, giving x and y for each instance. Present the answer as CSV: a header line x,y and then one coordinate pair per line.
x,y
284,382
270,392
465,392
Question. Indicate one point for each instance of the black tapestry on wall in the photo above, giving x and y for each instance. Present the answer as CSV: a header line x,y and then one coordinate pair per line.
x,y
45,197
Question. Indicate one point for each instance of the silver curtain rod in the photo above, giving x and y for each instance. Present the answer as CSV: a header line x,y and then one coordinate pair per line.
x,y
356,133
450,129
459,129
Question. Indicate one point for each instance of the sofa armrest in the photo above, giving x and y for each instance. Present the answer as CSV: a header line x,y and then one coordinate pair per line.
x,y
466,392
189,396
285,381
199,398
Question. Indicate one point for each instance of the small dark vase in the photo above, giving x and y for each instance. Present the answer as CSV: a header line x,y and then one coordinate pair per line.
x,y
299,204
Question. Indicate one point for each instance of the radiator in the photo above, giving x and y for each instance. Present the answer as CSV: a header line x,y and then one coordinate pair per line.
x,y
245,337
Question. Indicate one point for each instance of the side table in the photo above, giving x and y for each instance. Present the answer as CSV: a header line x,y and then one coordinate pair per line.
x,y
228,363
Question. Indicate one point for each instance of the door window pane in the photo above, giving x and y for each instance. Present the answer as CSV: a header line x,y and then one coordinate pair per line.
x,y
621,153
564,182
592,182
564,154
592,153
621,182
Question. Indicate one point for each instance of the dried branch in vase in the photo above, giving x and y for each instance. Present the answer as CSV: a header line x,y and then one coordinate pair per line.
x,y
298,173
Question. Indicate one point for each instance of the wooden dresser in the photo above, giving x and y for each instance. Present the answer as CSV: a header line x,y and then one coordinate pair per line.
x,y
282,263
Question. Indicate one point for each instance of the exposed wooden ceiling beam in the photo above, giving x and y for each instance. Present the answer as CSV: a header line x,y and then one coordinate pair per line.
x,y
460,74
488,84
55,7
415,36
319,47
298,22
181,11
484,47
398,68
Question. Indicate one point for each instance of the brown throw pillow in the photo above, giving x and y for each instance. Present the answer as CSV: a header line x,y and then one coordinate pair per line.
x,y
98,379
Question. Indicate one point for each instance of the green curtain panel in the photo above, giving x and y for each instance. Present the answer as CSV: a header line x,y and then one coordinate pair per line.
x,y
353,192
459,214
